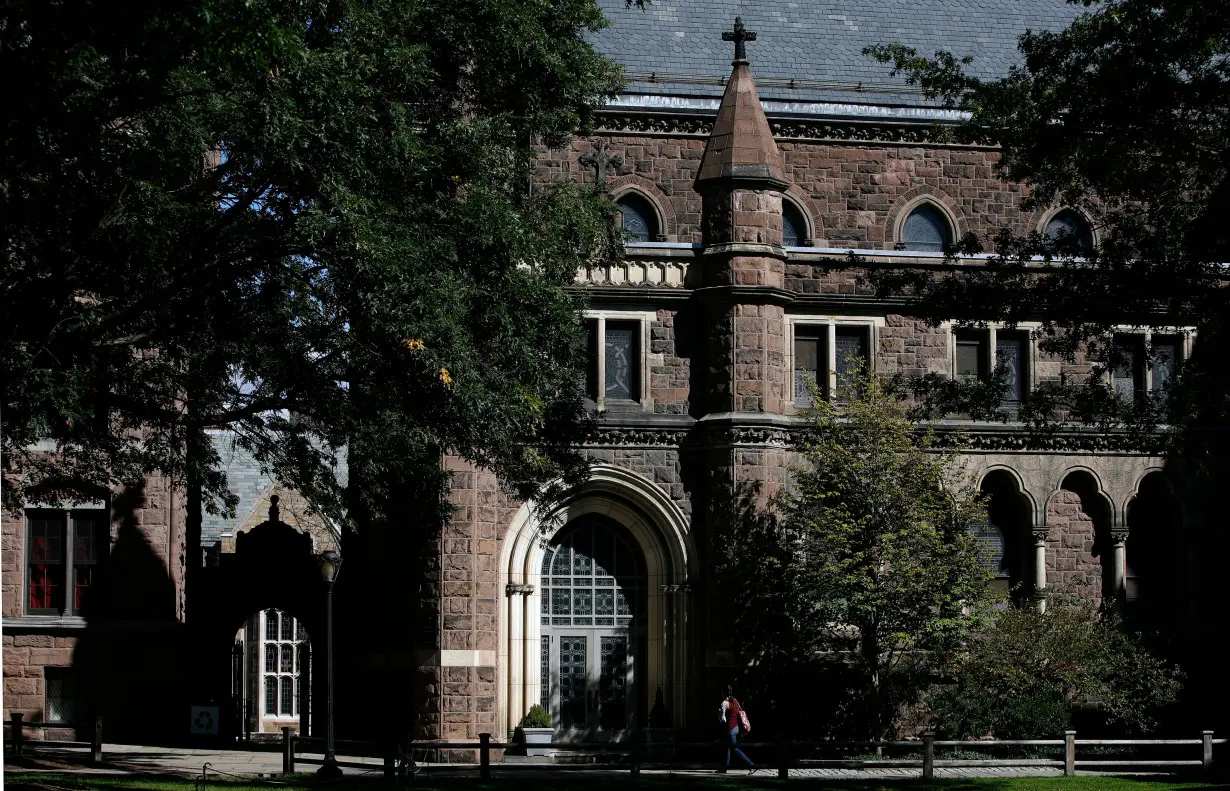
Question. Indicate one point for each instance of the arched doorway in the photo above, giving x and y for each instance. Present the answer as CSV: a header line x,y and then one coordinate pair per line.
x,y
592,629
655,533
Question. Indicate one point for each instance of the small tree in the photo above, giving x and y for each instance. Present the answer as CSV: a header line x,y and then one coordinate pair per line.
x,y
871,557
1022,675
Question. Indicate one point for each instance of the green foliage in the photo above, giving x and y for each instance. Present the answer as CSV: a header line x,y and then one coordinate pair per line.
x,y
1023,674
306,222
536,717
872,554
1124,116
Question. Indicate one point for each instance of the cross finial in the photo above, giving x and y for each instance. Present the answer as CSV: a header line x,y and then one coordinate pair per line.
x,y
739,35
600,161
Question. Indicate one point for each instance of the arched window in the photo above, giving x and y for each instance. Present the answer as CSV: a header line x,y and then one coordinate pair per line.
x,y
926,230
638,218
794,227
1069,231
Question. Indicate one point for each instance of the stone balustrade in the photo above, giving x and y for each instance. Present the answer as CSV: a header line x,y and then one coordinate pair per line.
x,y
669,274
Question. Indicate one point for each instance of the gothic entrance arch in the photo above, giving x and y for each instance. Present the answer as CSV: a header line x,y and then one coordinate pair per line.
x,y
592,629
594,620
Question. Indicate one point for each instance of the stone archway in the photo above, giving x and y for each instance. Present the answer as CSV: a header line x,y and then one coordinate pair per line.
x,y
659,531
273,566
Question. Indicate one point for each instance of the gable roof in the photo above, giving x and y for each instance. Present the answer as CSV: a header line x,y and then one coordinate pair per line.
x,y
812,50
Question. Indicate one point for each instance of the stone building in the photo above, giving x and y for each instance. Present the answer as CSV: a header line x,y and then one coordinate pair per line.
x,y
742,187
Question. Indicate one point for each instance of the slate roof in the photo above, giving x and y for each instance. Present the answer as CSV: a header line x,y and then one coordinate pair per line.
x,y
246,480
818,43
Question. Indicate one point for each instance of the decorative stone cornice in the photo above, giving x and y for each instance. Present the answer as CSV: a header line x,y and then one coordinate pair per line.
x,y
785,128
778,431
639,436
1021,439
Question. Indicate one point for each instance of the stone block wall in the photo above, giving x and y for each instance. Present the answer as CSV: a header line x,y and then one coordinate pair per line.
x,y
144,582
853,193
669,376
1071,541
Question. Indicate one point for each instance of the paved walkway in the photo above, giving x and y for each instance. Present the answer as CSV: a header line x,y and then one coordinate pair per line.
x,y
136,759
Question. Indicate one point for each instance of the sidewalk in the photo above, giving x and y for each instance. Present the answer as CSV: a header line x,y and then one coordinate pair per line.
x,y
137,759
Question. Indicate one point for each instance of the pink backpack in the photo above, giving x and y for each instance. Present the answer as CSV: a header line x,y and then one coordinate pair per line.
x,y
744,721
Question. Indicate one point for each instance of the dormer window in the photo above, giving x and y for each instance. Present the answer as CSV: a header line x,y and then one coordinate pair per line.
x,y
926,230
1069,231
638,219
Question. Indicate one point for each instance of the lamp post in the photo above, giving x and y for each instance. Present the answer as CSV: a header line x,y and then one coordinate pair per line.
x,y
330,563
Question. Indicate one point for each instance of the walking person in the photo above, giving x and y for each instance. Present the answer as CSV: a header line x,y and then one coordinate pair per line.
x,y
732,717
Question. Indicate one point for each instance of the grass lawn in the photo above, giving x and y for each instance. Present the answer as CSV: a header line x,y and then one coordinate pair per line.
x,y
601,781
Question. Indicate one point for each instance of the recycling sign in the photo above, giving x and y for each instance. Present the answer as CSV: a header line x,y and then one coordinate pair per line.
x,y
204,720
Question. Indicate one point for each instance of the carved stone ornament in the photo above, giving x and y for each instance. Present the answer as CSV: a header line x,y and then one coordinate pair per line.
x,y
801,129
515,589
1040,532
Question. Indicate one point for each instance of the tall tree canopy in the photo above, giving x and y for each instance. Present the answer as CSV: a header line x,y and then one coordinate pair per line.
x,y
1126,116
306,221
872,557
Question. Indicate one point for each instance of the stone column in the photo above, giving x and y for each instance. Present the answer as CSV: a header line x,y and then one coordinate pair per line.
x,y
1039,534
1116,580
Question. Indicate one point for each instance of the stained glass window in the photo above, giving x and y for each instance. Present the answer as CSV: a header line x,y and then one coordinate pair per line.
x,y
1069,231
794,229
638,218
810,362
271,659
595,576
1128,374
621,360
850,347
1010,358
271,624
926,230
1166,358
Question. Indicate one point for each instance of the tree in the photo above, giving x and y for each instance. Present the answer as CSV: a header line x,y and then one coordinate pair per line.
x,y
308,222
1022,676
872,557
1124,116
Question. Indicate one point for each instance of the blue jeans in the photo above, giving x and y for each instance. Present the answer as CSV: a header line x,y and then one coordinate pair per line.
x,y
734,740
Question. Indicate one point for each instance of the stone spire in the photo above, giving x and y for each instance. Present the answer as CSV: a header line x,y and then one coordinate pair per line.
x,y
741,147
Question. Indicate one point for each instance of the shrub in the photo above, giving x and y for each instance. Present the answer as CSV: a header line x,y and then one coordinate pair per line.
x,y
1021,676
536,717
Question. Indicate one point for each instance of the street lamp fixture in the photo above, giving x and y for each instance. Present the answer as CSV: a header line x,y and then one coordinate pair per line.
x,y
330,564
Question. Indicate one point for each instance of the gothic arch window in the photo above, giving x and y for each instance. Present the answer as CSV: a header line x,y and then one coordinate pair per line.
x,y
926,230
638,218
1070,231
794,225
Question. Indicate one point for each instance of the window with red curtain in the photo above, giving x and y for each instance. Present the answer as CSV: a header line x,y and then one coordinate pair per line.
x,y
66,555
45,569
90,534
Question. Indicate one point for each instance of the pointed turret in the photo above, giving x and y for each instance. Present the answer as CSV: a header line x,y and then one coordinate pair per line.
x,y
741,148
